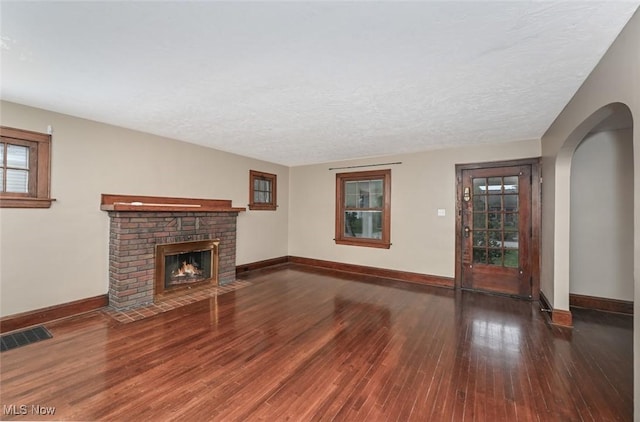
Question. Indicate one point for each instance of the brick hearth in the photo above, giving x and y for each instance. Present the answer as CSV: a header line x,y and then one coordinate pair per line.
x,y
133,236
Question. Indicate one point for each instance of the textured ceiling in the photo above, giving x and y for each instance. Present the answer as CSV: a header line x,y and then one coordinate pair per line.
x,y
299,83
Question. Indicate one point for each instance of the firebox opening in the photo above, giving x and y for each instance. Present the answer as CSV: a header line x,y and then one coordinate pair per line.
x,y
186,264
187,268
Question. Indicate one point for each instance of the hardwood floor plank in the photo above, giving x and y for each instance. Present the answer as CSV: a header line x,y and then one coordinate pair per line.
x,y
307,344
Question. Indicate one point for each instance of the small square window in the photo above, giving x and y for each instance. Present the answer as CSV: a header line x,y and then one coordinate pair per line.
x,y
262,191
24,169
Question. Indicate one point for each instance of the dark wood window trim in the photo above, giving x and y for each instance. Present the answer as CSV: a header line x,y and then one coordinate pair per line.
x,y
39,195
269,204
341,208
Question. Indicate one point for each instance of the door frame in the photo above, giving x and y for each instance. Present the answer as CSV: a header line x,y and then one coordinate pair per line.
x,y
536,181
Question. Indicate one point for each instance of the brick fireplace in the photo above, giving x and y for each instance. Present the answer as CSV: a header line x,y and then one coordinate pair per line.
x,y
140,225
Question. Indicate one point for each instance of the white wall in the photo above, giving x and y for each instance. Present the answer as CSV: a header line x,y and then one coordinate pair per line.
x,y
602,216
57,255
422,242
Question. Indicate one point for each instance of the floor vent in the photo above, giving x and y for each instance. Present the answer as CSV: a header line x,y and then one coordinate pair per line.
x,y
24,337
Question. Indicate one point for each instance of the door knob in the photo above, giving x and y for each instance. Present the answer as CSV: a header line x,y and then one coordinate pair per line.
x,y
466,231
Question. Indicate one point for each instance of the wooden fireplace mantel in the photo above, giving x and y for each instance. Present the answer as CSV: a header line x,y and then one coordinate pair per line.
x,y
137,203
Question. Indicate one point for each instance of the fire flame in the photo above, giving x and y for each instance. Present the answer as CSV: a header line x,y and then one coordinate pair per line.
x,y
186,270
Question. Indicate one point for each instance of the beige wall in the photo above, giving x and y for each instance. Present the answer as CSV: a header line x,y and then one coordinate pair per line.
x,y
615,80
57,255
602,215
421,241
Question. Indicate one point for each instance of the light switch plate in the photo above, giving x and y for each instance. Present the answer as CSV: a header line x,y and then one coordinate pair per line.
x,y
441,212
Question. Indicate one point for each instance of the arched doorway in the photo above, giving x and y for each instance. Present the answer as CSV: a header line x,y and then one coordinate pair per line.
x,y
601,228
595,123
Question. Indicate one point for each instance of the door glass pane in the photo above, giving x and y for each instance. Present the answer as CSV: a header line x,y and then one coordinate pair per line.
x,y
495,230
18,157
480,255
365,224
511,240
17,181
495,220
511,184
480,186
495,185
511,258
495,203
494,256
480,220
479,238
479,203
495,239
511,202
511,221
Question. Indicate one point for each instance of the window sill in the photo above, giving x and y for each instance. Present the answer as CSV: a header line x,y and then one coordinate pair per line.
x,y
18,202
364,242
262,207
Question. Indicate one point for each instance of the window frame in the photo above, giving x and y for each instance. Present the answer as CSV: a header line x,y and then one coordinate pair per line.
x,y
341,179
263,206
39,194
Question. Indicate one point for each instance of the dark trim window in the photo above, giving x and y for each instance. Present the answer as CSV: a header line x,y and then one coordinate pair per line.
x,y
363,208
25,167
262,191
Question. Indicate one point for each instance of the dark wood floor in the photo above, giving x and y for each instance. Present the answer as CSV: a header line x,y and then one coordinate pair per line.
x,y
303,344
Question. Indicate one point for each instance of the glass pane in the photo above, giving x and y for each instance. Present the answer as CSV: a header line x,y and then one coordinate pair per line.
x,y
511,258
479,238
1,183
256,196
495,185
480,220
495,220
365,224
511,221
480,186
363,189
17,156
511,240
1,154
17,181
376,200
376,186
495,239
351,200
256,184
494,203
479,255
495,256
511,184
351,188
267,197
479,203
511,202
